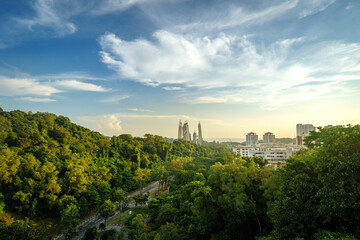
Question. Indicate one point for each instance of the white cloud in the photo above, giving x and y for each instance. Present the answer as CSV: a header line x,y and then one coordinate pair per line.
x,y
139,110
70,75
47,16
108,6
114,99
208,100
235,16
58,15
109,125
81,86
254,74
349,6
25,86
310,7
32,99
168,88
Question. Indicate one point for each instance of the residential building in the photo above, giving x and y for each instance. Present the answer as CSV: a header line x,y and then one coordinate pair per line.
x,y
269,137
251,139
302,131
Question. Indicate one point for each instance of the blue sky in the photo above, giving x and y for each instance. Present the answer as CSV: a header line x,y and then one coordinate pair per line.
x,y
139,66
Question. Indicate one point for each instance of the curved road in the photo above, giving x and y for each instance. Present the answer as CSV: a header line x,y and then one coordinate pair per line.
x,y
96,220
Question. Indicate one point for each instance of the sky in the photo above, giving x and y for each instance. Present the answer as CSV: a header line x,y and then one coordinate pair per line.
x,y
140,66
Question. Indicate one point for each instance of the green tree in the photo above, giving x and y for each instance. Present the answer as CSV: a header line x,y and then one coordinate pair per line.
x,y
90,234
2,204
69,220
169,231
139,227
318,189
107,209
141,176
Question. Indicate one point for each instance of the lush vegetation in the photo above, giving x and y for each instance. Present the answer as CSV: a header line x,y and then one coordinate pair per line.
x,y
52,168
315,196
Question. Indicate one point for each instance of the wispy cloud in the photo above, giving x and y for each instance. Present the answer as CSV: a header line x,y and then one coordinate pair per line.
x,y
32,99
114,99
81,76
168,88
109,125
58,15
310,7
109,6
80,86
199,100
48,16
25,86
140,110
236,16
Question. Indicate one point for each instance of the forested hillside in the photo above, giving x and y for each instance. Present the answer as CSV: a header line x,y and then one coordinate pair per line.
x,y
54,169
316,195
49,166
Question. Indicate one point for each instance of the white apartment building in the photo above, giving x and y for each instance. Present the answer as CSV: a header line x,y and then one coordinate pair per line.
x,y
275,154
243,150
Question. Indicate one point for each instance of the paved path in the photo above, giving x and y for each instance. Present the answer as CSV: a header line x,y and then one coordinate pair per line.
x,y
96,220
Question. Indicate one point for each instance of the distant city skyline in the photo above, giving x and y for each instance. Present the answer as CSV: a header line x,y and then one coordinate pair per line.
x,y
137,67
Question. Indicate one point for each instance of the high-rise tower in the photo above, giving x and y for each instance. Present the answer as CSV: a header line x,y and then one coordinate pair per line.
x,y
268,137
186,131
251,139
200,139
180,131
194,137
302,131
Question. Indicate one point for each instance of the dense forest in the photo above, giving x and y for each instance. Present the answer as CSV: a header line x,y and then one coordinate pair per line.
x,y
51,168
316,195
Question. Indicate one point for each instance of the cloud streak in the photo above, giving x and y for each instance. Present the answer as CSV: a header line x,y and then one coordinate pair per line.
x,y
114,99
47,16
80,86
58,15
140,110
37,100
25,86
30,86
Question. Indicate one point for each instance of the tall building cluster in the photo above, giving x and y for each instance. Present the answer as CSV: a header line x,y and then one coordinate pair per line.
x,y
252,138
275,153
184,133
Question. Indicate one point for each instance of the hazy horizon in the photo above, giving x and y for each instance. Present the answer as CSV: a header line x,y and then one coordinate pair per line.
x,y
140,66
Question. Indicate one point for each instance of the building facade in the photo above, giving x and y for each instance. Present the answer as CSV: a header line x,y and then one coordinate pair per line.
x,y
269,137
180,130
302,131
200,139
275,154
251,139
